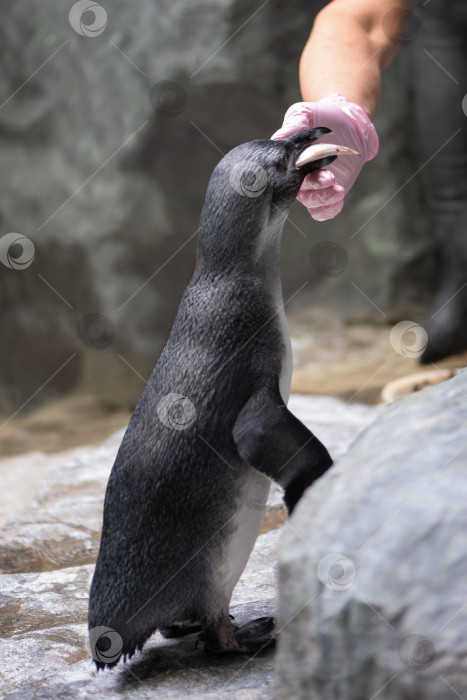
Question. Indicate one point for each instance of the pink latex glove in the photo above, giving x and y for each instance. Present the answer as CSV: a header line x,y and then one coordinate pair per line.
x,y
323,191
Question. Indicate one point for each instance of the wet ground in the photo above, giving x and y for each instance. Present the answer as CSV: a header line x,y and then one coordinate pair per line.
x,y
353,360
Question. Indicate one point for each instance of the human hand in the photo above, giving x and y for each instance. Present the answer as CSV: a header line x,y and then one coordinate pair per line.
x,y
323,191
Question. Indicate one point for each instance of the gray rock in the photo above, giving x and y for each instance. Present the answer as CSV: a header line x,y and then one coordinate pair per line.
x,y
373,567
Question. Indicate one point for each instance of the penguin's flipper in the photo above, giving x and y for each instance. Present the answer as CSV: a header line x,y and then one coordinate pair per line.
x,y
276,443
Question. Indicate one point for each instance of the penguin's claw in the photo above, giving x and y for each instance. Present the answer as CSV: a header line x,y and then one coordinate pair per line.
x,y
251,638
256,635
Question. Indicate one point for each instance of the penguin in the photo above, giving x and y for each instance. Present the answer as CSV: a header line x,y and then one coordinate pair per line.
x,y
186,494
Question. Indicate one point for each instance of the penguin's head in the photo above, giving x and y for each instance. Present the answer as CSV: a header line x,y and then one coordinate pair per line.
x,y
252,189
272,172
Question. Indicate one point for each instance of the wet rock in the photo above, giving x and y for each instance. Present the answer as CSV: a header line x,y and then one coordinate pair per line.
x,y
63,424
45,653
20,478
61,526
373,566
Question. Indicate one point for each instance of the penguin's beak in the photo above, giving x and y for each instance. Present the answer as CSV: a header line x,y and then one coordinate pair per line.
x,y
317,151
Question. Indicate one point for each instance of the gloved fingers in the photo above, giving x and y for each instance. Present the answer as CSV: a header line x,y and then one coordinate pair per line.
x,y
323,191
364,129
289,129
317,180
324,213
298,117
322,198
283,132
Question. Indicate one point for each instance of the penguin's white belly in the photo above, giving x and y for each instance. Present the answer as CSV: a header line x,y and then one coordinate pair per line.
x,y
285,379
255,488
245,527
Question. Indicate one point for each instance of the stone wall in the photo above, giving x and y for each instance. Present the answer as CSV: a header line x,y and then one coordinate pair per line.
x,y
109,130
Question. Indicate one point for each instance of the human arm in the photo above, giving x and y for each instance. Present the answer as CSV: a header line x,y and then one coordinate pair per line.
x,y
351,42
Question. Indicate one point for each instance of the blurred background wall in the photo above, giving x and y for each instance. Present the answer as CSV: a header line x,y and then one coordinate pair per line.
x,y
112,118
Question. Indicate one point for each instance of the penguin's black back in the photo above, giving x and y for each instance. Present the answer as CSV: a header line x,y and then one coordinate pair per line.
x,y
171,500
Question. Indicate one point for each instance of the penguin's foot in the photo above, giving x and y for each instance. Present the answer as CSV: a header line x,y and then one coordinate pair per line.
x,y
251,638
180,629
256,635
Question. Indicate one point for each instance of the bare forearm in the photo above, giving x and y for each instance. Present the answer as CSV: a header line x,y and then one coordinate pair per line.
x,y
349,47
